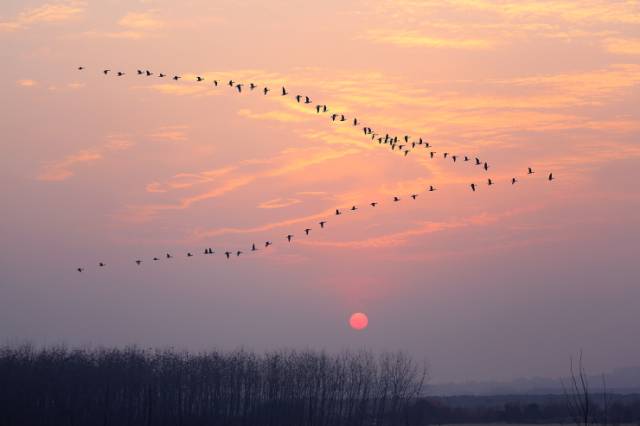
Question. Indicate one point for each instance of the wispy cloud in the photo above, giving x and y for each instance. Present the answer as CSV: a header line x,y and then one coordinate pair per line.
x,y
278,203
133,26
65,168
416,39
282,116
623,46
219,182
401,238
47,13
27,83
483,24
141,21
176,133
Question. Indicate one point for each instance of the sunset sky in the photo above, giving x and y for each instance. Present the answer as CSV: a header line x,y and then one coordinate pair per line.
x,y
504,282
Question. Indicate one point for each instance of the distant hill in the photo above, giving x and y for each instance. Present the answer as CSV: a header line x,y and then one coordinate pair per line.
x,y
621,381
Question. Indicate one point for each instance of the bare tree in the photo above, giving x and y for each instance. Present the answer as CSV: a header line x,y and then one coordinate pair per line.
x,y
579,399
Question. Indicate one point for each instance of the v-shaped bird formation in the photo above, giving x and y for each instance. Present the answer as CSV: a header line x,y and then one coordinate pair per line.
x,y
404,145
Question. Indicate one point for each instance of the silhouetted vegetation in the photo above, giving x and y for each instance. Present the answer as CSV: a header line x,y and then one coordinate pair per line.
x,y
130,387
57,386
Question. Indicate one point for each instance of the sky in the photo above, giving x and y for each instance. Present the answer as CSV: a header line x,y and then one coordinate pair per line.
x,y
504,282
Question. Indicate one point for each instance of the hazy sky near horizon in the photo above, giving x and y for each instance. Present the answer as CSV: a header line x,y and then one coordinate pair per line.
x,y
504,282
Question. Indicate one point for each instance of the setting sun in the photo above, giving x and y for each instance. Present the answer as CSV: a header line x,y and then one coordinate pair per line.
x,y
358,321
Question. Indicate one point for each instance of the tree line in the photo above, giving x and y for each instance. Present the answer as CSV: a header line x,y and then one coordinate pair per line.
x,y
131,386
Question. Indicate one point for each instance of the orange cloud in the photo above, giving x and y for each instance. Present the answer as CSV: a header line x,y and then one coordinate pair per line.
x,y
27,83
623,46
416,39
171,133
47,13
282,116
266,227
279,203
402,237
144,21
133,26
231,178
63,169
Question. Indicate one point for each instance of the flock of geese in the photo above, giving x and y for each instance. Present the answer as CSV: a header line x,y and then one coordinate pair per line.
x,y
401,144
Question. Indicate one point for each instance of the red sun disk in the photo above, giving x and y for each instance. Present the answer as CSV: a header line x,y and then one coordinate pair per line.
x,y
358,321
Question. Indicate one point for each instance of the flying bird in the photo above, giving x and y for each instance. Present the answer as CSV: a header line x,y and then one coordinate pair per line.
x,y
289,237
80,68
396,199
338,212
354,208
252,86
215,83
414,196
231,83
161,75
265,90
551,176
169,256
513,180
189,254
298,97
530,172
176,77
307,100
120,73
267,243
431,188
149,73
101,264
473,187
284,91
138,262
489,182
198,78
486,166
322,223
239,87
227,253
238,253
306,231
80,269
140,72
253,247
106,72
375,203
